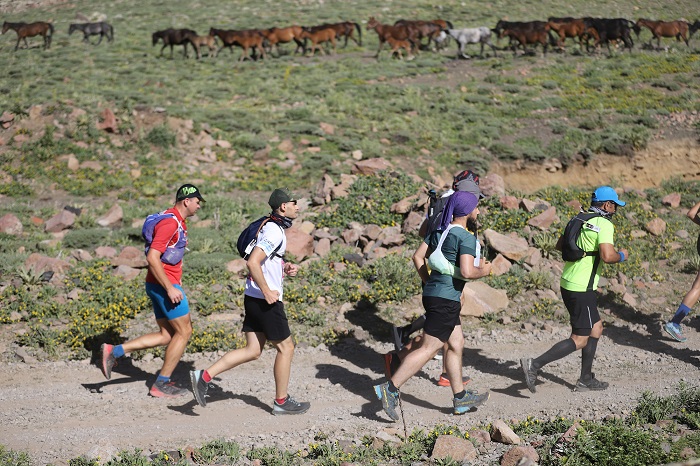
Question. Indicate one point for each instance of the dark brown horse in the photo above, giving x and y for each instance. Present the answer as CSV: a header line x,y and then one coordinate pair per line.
x,y
347,30
246,39
24,30
385,31
693,28
318,35
172,37
659,29
284,35
421,29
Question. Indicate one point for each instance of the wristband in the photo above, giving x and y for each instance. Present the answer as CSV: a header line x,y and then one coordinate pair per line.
x,y
622,256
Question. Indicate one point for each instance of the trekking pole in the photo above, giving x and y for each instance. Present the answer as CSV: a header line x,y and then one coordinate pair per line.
x,y
403,420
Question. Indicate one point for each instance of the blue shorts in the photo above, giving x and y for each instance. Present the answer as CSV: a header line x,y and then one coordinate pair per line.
x,y
163,308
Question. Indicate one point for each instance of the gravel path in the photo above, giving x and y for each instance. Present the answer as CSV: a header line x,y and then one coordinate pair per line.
x,y
58,411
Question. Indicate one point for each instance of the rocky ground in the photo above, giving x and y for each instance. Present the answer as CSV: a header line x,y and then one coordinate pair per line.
x,y
56,411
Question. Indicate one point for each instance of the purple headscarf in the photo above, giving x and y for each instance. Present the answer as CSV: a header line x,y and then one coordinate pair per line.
x,y
460,204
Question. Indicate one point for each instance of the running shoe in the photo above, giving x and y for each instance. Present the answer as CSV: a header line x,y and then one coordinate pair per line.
x,y
530,373
107,360
590,385
469,401
389,400
444,381
675,331
391,364
167,390
290,406
199,387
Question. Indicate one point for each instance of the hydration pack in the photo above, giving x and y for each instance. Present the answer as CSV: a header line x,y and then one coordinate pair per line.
x,y
173,254
249,238
570,251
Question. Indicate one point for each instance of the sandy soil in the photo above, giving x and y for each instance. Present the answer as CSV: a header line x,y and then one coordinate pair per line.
x,y
58,411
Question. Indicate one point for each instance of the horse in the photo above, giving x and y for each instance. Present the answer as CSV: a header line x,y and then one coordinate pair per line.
x,y
385,32
480,35
246,39
524,33
200,41
421,29
606,30
568,27
25,30
172,37
318,35
693,27
277,36
659,29
347,29
443,39
396,46
102,29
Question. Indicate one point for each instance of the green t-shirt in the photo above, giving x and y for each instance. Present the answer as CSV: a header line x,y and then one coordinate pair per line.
x,y
458,242
576,275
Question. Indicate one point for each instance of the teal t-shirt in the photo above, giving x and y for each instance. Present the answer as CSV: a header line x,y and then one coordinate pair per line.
x,y
458,242
576,275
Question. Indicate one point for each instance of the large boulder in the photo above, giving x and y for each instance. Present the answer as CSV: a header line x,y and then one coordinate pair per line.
x,y
41,264
479,299
299,244
59,222
544,220
113,217
370,166
514,248
500,432
492,185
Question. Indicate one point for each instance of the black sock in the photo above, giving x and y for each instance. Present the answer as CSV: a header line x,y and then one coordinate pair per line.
x,y
558,351
414,326
392,388
460,394
587,355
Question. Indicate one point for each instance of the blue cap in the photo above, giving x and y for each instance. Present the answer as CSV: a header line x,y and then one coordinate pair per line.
x,y
606,193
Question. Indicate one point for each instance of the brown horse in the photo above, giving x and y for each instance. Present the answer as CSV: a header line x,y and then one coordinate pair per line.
x,y
284,35
25,30
384,31
246,39
396,46
172,37
318,35
568,27
421,29
693,28
347,29
659,29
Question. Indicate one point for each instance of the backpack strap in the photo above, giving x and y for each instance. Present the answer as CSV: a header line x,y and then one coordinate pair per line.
x,y
594,254
273,253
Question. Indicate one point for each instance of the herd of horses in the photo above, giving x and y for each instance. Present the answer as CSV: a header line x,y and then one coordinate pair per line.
x,y
403,35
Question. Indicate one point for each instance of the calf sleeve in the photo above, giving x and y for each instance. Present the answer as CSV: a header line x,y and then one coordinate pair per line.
x,y
558,351
414,326
682,311
587,355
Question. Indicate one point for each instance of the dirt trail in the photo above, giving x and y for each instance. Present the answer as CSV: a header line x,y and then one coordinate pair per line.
x,y
58,411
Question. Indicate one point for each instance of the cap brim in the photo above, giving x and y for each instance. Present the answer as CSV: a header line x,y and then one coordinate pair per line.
x,y
620,203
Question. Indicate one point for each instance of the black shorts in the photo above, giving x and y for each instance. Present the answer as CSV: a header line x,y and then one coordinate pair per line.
x,y
441,317
583,310
268,319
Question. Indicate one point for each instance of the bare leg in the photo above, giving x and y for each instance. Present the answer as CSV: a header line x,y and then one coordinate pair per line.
x,y
255,342
416,359
283,366
452,359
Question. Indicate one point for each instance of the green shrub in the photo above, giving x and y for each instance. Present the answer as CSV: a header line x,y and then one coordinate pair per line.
x,y
161,136
218,452
13,458
86,239
369,200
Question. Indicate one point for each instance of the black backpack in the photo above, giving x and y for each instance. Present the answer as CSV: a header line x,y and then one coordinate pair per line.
x,y
570,251
435,208
249,238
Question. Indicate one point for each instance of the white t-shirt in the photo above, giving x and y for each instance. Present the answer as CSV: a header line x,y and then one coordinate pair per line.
x,y
271,236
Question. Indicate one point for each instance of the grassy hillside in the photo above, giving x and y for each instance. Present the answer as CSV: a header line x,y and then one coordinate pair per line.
x,y
430,113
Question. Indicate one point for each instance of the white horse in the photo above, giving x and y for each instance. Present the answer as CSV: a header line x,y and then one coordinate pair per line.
x,y
480,35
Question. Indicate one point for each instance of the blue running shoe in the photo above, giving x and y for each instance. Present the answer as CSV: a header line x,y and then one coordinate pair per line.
x,y
675,331
389,400
469,401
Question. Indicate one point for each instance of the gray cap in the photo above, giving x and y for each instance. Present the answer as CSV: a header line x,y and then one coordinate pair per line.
x,y
469,186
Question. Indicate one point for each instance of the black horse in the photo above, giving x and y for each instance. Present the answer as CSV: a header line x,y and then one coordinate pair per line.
x,y
101,29
171,37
